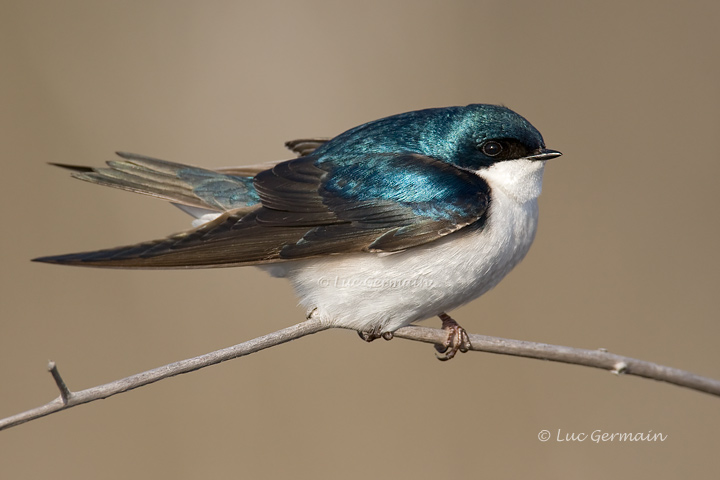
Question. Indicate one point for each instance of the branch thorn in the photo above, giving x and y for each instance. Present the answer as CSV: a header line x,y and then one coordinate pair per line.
x,y
65,392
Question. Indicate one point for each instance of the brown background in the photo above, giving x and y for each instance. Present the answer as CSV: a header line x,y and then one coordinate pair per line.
x,y
626,256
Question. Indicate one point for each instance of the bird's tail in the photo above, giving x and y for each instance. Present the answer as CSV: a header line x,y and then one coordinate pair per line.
x,y
194,187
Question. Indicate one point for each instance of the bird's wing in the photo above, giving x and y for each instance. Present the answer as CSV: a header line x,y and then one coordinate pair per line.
x,y
309,207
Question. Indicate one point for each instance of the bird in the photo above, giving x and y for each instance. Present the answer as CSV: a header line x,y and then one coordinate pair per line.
x,y
392,222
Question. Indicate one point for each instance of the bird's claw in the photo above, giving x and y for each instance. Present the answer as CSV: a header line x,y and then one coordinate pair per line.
x,y
374,334
457,339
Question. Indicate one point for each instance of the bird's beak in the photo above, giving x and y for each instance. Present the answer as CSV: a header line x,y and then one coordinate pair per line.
x,y
544,154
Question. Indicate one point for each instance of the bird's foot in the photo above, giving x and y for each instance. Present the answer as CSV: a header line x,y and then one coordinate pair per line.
x,y
457,339
374,334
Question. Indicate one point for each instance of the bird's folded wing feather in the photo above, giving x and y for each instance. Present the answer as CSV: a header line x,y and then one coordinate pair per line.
x,y
313,206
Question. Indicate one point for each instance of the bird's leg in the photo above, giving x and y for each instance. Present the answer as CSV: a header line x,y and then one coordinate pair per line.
x,y
457,339
374,334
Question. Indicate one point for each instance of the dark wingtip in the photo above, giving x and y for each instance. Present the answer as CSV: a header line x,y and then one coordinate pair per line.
x,y
57,259
93,258
45,260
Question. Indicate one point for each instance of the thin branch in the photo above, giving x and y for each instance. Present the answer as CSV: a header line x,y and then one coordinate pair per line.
x,y
600,358
151,376
591,358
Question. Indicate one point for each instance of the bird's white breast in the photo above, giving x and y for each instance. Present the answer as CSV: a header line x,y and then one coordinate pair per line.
x,y
367,290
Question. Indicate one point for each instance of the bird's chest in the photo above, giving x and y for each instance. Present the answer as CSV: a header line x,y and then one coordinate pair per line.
x,y
475,261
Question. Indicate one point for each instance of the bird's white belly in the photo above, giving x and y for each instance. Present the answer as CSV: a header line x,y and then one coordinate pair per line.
x,y
387,291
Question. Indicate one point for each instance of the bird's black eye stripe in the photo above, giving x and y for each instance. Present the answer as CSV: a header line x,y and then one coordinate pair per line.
x,y
491,148
504,149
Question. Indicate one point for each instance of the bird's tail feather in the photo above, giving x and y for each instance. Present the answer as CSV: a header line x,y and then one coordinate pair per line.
x,y
178,183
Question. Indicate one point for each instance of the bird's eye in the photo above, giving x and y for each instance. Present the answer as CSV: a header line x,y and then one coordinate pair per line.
x,y
492,148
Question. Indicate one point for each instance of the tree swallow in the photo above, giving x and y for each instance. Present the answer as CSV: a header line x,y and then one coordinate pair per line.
x,y
392,222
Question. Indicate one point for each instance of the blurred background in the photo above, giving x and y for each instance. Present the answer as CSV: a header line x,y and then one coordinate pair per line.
x,y
626,257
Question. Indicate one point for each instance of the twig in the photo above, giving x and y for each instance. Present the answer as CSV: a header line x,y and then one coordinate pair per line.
x,y
481,343
138,380
600,358
65,392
